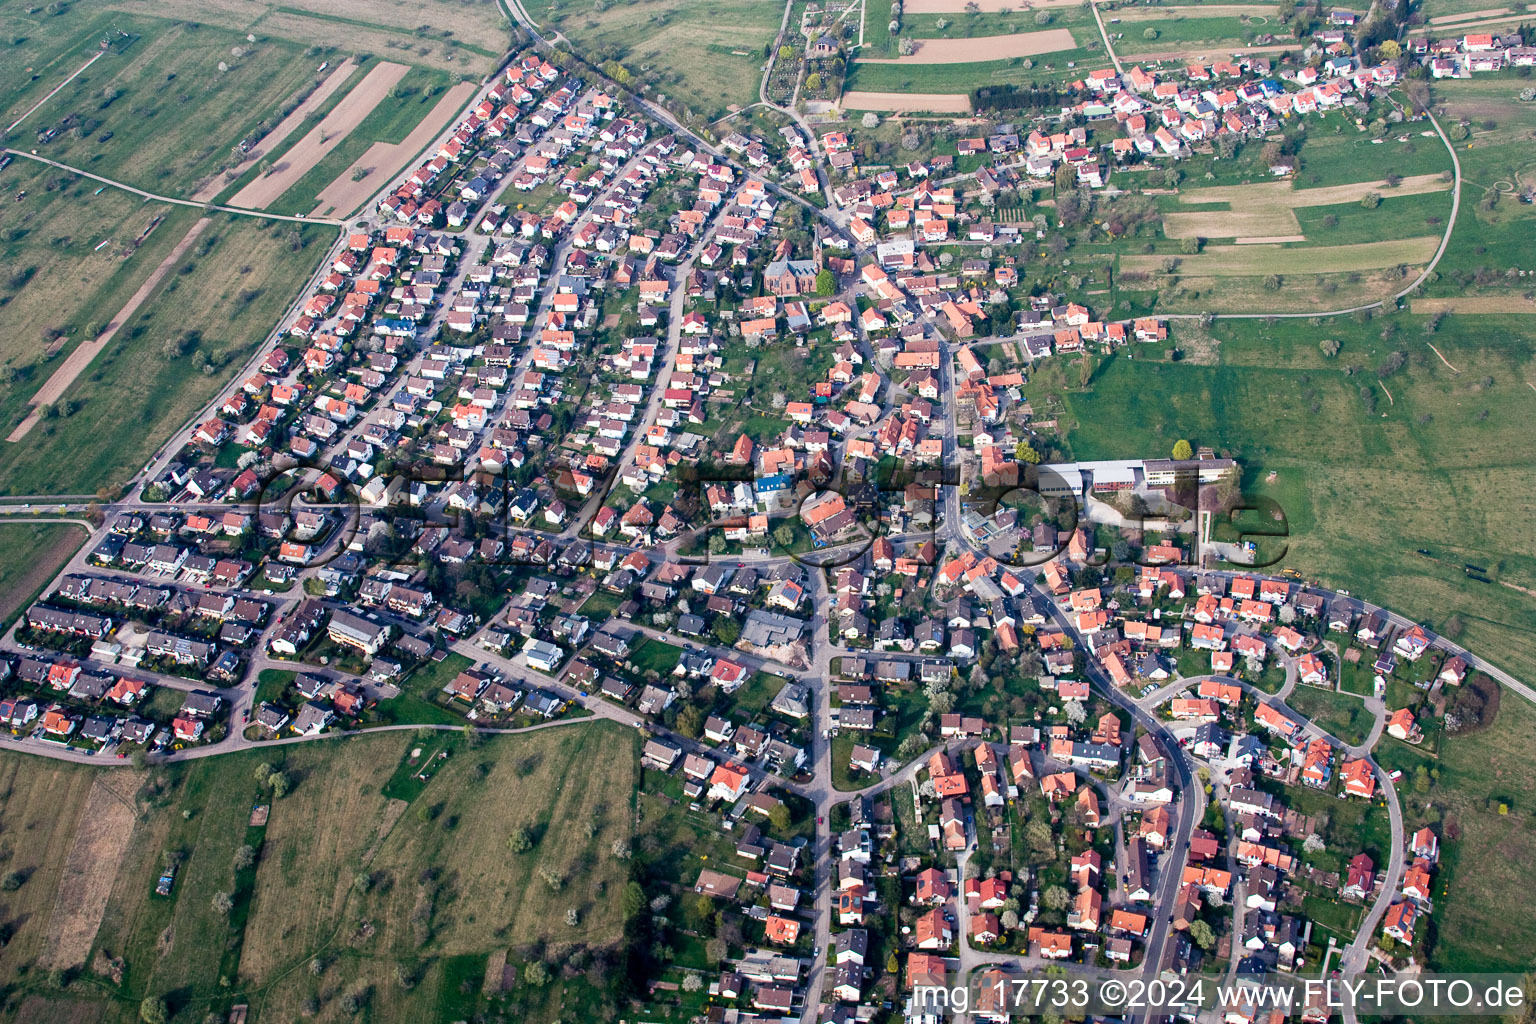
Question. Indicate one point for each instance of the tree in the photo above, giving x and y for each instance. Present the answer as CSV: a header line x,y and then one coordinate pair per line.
x,y
1389,49
690,722
1421,780
1274,282
572,916
633,900
521,839
153,1010
779,817
1150,34
726,630
1329,346
826,282
12,881
692,982
1055,898
1200,933
223,903
1038,834
813,82
245,857
1371,200
536,974
1189,246
1182,450
784,535
280,784
870,120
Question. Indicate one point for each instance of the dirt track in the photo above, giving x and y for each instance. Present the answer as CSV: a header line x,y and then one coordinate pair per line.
x,y
926,102
59,381
384,159
277,136
322,138
980,48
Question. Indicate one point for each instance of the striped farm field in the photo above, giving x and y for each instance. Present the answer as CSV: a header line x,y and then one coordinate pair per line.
x,y
1272,195
985,48
1484,304
1258,260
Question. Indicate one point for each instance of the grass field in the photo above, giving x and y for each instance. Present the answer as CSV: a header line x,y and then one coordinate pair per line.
x,y
30,553
1257,260
40,807
1341,714
1493,231
172,115
967,26
56,282
1485,914
228,290
446,849
962,78
1442,468
706,53
465,38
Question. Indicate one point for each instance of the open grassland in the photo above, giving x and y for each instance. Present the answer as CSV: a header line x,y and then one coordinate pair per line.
x,y
463,36
706,53
1485,913
1363,483
984,48
1342,714
43,47
57,278
40,807
1194,29
221,301
1258,260
440,892
868,76
30,553
159,113
1491,244
1017,21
